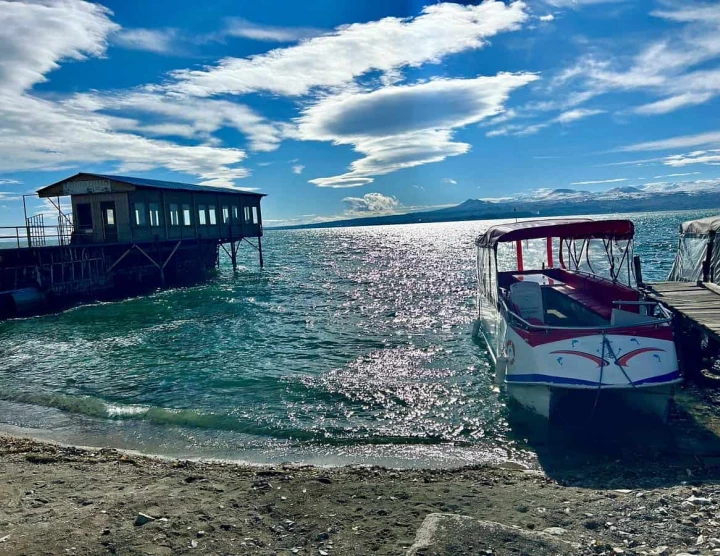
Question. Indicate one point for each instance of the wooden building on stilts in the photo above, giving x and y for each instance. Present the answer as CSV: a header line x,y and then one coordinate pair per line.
x,y
122,234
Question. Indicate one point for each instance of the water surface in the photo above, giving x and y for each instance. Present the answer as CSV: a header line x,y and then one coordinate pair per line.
x,y
353,345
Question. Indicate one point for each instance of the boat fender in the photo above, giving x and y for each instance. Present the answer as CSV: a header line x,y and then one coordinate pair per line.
x,y
500,370
476,328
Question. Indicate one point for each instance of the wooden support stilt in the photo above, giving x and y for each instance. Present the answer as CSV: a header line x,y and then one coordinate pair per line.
x,y
262,263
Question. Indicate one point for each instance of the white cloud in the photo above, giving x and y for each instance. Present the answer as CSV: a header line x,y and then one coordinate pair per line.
x,y
298,169
673,103
679,142
182,116
691,12
548,17
350,51
677,175
711,157
404,126
6,181
34,37
577,114
46,133
371,203
518,129
450,181
238,27
594,182
578,3
566,117
160,41
673,68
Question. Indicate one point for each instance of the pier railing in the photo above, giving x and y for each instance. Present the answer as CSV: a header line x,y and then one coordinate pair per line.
x,y
34,234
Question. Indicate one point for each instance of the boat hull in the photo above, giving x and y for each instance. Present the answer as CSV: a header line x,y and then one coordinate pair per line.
x,y
573,405
634,366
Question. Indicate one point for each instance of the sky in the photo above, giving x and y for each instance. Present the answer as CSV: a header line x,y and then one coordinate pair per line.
x,y
341,109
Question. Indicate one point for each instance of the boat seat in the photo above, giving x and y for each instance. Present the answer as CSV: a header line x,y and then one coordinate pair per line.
x,y
589,301
528,300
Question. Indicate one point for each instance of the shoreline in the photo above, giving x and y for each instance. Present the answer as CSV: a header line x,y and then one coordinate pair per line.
x,y
86,501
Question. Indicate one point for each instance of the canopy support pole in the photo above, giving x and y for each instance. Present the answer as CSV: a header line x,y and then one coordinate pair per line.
x,y
518,250
550,262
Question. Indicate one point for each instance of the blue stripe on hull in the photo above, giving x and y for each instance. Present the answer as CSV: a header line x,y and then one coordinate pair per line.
x,y
536,378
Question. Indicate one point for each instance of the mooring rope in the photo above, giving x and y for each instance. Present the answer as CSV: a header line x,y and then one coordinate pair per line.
x,y
617,362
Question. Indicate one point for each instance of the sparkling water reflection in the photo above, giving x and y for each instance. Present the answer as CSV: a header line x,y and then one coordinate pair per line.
x,y
353,345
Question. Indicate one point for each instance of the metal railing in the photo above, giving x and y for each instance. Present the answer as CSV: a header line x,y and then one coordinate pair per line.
x,y
34,234
668,318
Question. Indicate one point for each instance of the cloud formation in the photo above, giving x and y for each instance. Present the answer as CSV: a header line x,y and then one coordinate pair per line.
x,y
239,27
298,169
186,117
42,133
674,69
679,142
594,182
404,126
160,41
711,157
566,117
337,58
371,203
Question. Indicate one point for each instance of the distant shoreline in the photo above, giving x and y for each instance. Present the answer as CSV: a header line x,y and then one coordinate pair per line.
x,y
544,210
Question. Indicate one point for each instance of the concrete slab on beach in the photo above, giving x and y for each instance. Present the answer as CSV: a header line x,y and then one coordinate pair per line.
x,y
446,534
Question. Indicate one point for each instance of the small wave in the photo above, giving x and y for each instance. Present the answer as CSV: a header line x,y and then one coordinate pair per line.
x,y
189,418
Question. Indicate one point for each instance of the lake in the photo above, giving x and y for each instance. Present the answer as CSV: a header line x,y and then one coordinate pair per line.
x,y
353,345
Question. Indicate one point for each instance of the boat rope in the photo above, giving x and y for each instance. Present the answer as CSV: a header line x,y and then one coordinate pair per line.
x,y
602,371
597,394
617,362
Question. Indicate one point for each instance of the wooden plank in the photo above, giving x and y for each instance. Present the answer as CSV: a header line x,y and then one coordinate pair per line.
x,y
712,287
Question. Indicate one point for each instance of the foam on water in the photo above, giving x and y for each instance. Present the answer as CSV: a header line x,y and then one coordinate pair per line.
x,y
353,345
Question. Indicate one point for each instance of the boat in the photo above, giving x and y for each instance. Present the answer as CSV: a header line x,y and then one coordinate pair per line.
x,y
697,258
562,320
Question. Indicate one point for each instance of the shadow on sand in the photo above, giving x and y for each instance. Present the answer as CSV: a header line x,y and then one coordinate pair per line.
x,y
619,449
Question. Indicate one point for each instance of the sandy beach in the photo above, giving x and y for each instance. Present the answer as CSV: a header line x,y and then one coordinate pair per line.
x,y
65,500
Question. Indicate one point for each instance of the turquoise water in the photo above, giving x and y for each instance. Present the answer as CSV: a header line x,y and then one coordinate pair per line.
x,y
352,345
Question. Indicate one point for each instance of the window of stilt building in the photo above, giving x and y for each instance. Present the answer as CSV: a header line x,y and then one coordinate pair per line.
x,y
140,214
174,215
154,215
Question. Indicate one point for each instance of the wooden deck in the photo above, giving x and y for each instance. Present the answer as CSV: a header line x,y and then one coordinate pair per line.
x,y
700,303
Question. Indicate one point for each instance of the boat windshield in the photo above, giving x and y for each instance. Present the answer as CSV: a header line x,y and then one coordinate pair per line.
x,y
607,258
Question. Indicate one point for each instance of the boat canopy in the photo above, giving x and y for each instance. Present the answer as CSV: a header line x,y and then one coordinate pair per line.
x,y
702,226
573,228
698,258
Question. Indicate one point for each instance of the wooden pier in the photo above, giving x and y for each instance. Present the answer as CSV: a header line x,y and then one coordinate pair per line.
x,y
696,306
696,302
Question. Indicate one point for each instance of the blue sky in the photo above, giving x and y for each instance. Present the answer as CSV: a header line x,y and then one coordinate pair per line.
x,y
340,109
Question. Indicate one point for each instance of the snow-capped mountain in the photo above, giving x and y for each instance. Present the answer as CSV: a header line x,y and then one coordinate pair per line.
x,y
653,196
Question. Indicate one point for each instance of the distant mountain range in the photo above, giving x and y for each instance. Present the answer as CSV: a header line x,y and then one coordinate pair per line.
x,y
660,196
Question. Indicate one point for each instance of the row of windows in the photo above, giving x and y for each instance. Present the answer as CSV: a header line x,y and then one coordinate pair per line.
x,y
182,215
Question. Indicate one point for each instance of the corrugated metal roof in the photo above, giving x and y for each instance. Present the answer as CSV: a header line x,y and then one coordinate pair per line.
x,y
172,185
160,184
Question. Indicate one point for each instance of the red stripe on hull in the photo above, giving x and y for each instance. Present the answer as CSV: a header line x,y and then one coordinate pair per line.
x,y
541,337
